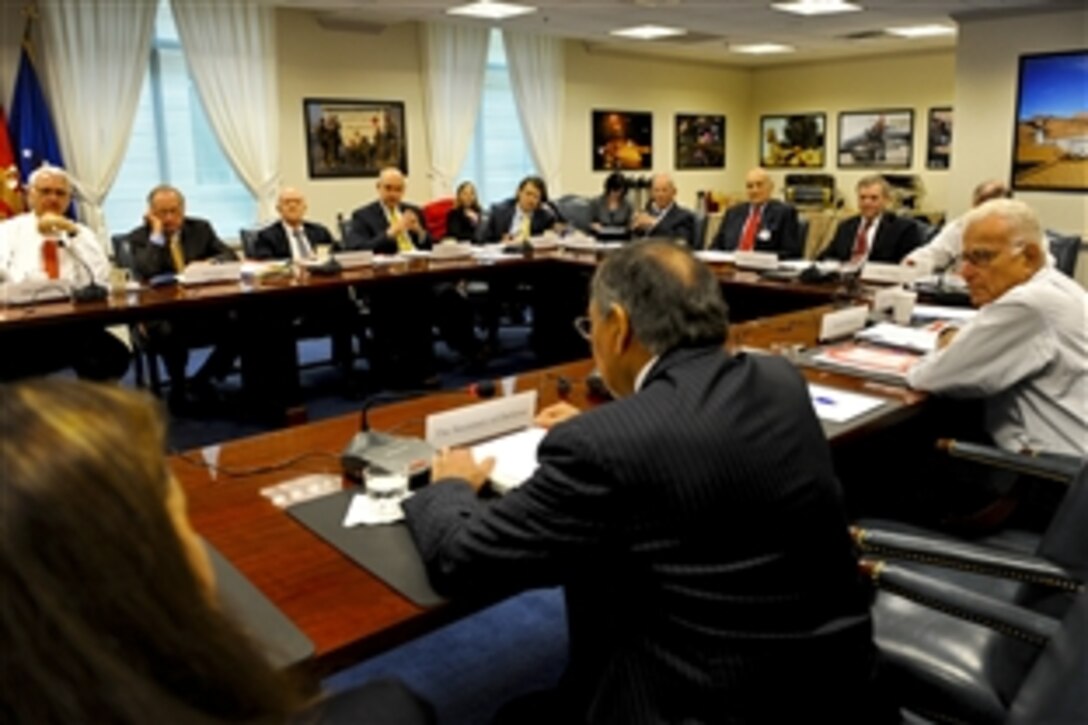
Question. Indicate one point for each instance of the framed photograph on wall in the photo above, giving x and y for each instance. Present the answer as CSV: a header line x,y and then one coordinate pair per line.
x,y
1050,145
623,140
794,141
939,138
700,141
354,138
876,139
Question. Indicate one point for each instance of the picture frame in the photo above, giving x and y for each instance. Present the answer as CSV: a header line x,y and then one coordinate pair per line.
x,y
793,141
354,138
939,138
1050,130
622,140
700,141
881,139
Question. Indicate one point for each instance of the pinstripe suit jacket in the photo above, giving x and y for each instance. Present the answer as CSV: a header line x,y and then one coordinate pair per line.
x,y
698,529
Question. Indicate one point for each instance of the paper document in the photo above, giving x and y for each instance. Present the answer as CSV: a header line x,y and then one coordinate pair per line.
x,y
369,511
839,406
715,256
916,339
515,457
860,358
940,312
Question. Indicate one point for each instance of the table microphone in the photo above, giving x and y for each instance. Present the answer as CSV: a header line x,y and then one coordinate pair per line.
x,y
92,291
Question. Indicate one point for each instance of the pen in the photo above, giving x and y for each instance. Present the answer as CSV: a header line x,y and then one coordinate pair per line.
x,y
824,400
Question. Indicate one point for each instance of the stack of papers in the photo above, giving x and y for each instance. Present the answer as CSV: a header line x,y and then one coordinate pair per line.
x,y
914,339
32,291
515,457
211,273
857,358
347,260
941,312
715,256
839,406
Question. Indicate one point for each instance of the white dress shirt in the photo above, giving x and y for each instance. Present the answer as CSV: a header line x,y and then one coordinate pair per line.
x,y
21,253
1027,353
941,251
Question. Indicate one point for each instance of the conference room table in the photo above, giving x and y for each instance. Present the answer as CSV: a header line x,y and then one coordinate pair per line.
x,y
346,611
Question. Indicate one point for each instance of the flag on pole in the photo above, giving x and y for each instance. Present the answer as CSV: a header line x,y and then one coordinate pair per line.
x,y
11,199
33,135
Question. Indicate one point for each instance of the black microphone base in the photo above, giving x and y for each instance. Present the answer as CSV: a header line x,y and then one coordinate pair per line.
x,y
90,293
393,453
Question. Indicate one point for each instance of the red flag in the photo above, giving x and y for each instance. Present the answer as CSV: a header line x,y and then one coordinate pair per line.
x,y
11,199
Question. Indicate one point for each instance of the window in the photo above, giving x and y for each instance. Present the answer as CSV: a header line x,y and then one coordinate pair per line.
x,y
172,142
498,157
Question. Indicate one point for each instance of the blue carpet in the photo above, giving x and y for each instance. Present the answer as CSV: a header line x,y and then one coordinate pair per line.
x,y
468,669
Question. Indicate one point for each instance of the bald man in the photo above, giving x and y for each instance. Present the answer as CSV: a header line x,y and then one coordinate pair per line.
x,y
388,225
761,224
663,217
292,237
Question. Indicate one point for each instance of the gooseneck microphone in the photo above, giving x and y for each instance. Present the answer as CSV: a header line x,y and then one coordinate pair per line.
x,y
92,291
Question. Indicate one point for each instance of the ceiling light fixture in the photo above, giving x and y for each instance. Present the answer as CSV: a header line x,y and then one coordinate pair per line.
x,y
491,10
922,31
648,32
761,48
817,7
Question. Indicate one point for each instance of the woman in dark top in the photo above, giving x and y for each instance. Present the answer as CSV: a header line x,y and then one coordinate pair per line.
x,y
108,607
611,210
463,219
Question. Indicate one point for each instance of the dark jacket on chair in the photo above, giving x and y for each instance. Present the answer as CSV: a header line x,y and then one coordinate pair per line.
x,y
896,237
698,529
460,227
778,229
368,226
198,242
502,216
272,241
676,223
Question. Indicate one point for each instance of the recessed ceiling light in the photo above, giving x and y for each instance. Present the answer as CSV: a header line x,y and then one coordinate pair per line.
x,y
923,31
491,10
817,7
648,32
761,48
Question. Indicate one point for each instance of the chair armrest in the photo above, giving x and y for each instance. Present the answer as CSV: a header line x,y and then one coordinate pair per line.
x,y
965,556
1053,466
957,601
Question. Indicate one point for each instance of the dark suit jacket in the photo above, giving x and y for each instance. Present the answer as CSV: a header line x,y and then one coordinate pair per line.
x,y
502,216
698,529
896,237
198,241
460,227
368,225
678,223
272,242
778,229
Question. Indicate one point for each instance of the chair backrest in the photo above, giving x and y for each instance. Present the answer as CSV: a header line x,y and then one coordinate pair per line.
x,y
248,237
1066,539
122,251
1065,248
575,210
344,224
434,216
802,232
699,240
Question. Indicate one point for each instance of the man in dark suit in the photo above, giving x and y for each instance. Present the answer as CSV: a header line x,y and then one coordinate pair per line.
x,y
515,220
874,235
664,218
762,224
166,243
695,523
388,225
292,237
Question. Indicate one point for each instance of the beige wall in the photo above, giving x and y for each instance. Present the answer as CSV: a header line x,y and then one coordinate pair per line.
x,y
915,81
598,80
986,77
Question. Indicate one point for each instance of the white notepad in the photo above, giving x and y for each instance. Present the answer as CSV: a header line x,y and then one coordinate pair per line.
x,y
515,457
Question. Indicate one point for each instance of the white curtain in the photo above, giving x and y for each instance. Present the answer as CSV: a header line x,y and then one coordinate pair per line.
x,y
454,63
93,58
12,22
537,77
230,48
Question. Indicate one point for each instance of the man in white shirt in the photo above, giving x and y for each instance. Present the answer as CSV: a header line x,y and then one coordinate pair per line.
x,y
43,244
945,249
1026,351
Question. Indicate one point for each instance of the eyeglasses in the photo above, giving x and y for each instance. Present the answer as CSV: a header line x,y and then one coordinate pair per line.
x,y
584,326
984,257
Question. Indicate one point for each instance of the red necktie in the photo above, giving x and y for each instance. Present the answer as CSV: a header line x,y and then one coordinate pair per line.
x,y
861,243
50,258
748,236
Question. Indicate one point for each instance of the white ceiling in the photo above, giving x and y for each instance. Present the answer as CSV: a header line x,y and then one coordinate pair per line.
x,y
712,24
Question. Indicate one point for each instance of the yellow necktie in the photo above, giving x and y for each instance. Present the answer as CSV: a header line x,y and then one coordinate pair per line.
x,y
404,242
176,253
524,231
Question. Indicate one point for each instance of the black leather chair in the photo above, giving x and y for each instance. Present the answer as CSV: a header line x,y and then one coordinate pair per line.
x,y
575,209
248,238
1065,249
1000,663
145,361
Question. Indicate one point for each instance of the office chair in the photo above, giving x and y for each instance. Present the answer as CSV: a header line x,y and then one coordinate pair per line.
x,y
248,238
1065,248
989,661
575,209
434,216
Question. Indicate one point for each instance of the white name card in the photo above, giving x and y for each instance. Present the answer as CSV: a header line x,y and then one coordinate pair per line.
x,y
842,323
756,260
889,273
349,260
480,421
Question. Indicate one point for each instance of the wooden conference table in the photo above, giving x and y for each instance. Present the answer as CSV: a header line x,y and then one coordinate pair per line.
x,y
347,612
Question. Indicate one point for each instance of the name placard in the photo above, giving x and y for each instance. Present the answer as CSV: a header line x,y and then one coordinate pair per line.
x,y
841,323
480,421
889,273
756,260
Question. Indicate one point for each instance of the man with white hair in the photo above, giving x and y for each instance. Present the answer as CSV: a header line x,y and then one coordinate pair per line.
x,y
944,249
663,217
43,244
761,224
1026,351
